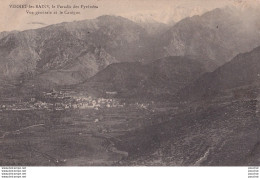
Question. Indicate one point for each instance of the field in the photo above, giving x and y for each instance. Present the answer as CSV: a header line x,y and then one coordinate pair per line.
x,y
223,131
66,137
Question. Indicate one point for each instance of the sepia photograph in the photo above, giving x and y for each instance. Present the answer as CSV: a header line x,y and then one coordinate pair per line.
x,y
127,83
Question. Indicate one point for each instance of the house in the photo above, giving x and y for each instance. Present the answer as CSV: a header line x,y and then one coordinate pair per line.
x,y
111,92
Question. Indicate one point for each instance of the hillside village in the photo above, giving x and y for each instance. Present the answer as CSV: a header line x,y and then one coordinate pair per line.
x,y
63,100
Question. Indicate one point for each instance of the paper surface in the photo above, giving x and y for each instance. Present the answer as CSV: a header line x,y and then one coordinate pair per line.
x,y
129,82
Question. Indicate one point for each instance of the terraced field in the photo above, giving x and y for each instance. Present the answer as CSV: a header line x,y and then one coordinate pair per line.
x,y
72,137
223,131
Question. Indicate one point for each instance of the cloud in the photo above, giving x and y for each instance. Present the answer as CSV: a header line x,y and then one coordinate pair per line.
x,y
36,23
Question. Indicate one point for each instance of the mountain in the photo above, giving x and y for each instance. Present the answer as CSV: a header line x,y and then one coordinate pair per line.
x,y
5,33
154,28
70,53
162,76
241,72
219,35
77,49
150,23
218,127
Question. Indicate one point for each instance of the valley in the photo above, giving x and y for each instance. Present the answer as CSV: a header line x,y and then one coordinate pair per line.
x,y
72,136
106,131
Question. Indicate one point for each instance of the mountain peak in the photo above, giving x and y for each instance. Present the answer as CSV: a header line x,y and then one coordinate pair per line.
x,y
245,4
111,18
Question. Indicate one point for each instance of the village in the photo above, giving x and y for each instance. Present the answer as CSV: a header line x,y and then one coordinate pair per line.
x,y
62,100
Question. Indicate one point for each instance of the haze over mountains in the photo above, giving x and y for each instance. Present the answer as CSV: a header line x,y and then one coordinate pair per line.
x,y
71,53
167,15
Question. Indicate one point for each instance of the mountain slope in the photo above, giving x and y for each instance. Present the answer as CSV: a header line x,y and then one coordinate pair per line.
x,y
224,133
78,50
85,47
218,35
162,76
242,71
211,130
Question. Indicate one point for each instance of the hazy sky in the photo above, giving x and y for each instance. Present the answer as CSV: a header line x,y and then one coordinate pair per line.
x,y
18,19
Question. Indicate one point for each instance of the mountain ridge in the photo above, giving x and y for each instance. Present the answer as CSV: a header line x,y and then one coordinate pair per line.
x,y
241,71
